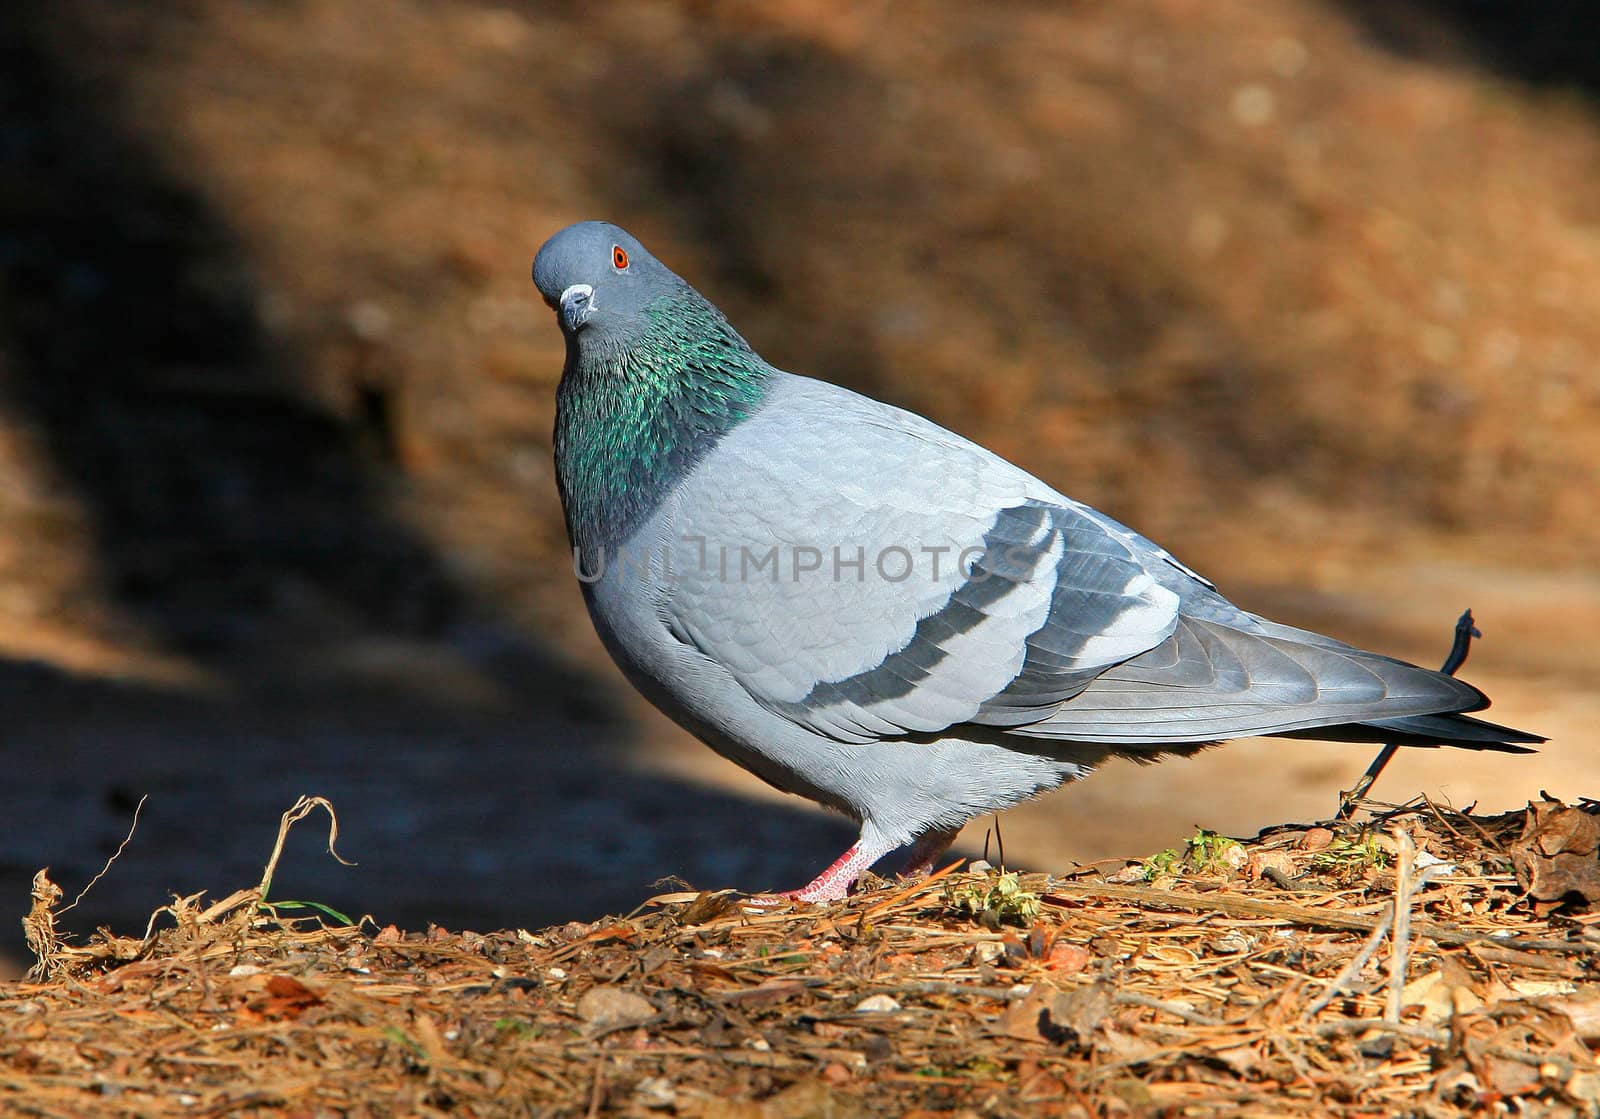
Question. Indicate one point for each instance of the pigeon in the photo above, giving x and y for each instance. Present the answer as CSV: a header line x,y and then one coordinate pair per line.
x,y
866,609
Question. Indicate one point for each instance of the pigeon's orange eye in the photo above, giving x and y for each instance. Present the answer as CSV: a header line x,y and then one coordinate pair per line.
x,y
619,257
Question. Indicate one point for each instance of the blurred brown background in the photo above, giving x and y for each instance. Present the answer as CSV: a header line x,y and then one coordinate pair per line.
x,y
1305,289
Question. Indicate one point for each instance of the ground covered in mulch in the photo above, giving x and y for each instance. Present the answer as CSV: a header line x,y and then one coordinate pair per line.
x,y
1412,961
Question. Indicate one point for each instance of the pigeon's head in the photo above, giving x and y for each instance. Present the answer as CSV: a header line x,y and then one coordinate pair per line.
x,y
599,279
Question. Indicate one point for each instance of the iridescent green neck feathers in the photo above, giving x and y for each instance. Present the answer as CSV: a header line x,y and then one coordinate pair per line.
x,y
634,415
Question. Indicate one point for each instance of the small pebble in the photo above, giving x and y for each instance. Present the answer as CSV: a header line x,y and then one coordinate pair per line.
x,y
606,1007
988,951
1315,839
877,1004
655,1093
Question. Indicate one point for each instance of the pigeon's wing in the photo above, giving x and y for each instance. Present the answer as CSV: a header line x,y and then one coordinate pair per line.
x,y
1215,679
867,574
1225,673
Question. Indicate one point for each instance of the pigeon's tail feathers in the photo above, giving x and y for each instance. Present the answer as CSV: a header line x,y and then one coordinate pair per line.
x,y
1211,680
1450,730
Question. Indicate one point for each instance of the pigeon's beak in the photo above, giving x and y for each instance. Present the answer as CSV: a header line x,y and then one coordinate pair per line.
x,y
577,304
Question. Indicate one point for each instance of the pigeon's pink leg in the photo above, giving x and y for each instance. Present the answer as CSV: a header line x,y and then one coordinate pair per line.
x,y
833,883
928,847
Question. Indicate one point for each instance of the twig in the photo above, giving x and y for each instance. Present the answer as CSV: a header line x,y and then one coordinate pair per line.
x,y
1564,1068
1083,1102
114,856
1193,1017
597,1093
197,942
1362,1025
1350,801
1234,905
1401,940
939,987
1352,969
921,885
1281,880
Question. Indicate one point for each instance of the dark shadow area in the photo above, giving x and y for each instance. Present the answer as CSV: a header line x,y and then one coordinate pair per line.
x,y
236,520
231,512
486,822
1553,44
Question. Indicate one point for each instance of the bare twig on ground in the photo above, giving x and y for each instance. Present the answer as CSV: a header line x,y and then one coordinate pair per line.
x,y
1352,970
1400,939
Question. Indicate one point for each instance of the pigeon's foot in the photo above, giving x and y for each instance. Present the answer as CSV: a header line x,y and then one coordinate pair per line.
x,y
832,884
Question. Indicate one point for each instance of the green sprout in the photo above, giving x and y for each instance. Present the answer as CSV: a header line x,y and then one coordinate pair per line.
x,y
997,899
1205,853
1351,857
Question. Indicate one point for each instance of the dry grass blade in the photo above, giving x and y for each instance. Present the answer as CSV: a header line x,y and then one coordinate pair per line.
x,y
115,855
300,810
54,958
39,926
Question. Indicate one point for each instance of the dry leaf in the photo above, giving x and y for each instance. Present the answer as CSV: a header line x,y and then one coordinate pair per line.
x,y
767,993
1556,856
1125,1046
283,998
1459,1082
655,1093
1163,957
1510,1078
1131,1093
1443,993
1584,1087
1583,1010
1242,1059
709,906
1075,1015
1067,958
611,932
1027,1019
1542,988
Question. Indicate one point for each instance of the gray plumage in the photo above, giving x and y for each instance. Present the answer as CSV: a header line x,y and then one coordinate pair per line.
x,y
871,611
